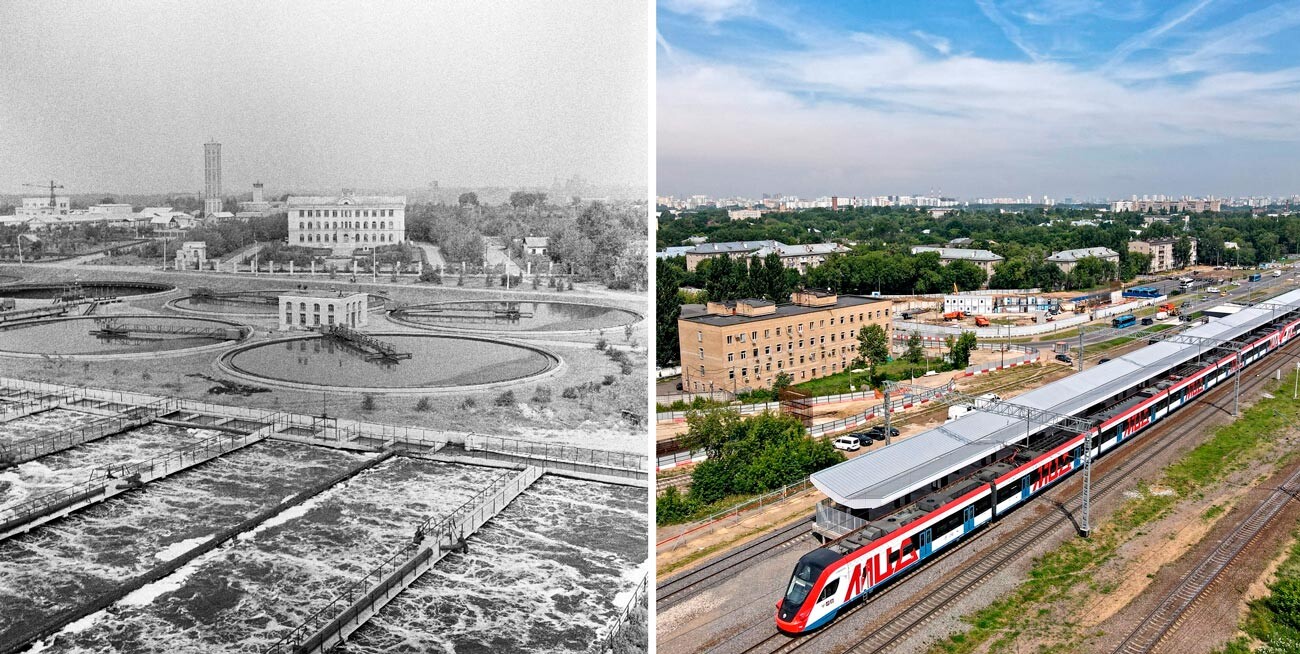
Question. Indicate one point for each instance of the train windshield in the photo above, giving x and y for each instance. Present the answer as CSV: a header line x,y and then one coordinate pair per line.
x,y
801,583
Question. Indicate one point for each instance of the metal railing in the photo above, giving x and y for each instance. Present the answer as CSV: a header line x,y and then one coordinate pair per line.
x,y
101,478
734,514
605,644
427,545
62,439
562,457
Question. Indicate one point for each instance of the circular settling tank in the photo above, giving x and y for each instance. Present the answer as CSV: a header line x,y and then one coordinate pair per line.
x,y
515,316
245,303
121,334
421,362
82,289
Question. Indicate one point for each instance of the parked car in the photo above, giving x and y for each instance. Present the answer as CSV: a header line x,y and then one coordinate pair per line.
x,y
1064,358
1148,321
877,433
848,443
1213,289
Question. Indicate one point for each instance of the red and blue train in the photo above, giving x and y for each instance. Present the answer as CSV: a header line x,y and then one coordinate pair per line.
x,y
850,567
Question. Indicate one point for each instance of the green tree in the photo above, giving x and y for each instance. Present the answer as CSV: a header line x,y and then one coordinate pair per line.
x,y
668,308
710,430
781,382
1183,251
873,346
470,198
959,349
915,350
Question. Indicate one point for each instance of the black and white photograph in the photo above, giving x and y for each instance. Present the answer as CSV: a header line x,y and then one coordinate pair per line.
x,y
324,327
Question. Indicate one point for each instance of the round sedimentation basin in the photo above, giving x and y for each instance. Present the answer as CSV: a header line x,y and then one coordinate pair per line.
x,y
514,317
257,304
425,364
91,337
91,289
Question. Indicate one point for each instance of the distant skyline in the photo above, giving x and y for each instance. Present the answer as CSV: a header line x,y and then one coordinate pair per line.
x,y
967,98
119,98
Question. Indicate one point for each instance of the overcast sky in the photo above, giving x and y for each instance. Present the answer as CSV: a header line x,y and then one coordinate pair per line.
x,y
120,96
978,97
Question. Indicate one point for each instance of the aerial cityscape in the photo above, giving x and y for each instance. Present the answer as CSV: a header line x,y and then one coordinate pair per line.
x,y
975,327
294,364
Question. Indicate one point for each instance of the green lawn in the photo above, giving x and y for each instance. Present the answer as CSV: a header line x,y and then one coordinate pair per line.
x,y
897,370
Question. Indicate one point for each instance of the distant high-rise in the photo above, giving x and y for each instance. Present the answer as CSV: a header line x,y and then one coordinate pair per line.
x,y
211,178
257,192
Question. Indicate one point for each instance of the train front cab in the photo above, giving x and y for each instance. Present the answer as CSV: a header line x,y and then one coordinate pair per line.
x,y
809,600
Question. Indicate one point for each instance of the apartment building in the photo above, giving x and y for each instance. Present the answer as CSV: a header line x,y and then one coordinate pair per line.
x,y
1162,252
743,345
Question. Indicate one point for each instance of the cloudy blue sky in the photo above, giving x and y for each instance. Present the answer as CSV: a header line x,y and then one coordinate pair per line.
x,y
978,97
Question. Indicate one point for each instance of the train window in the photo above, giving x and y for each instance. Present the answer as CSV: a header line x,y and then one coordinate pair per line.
x,y
983,504
829,590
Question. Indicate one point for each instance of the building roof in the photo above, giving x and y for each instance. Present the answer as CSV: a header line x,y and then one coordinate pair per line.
x,y
958,253
809,248
964,240
782,311
536,241
733,246
345,200
1071,256
883,475
319,293
673,251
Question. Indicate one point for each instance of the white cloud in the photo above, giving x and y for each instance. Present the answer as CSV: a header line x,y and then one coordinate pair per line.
x,y
710,10
868,112
941,45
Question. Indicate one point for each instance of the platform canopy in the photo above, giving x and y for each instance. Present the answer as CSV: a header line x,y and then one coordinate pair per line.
x,y
883,475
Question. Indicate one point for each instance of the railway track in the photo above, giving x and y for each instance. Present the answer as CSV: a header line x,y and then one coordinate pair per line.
x,y
968,578
678,589
1168,615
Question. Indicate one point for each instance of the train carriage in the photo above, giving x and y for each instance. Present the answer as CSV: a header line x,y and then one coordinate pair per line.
x,y
899,535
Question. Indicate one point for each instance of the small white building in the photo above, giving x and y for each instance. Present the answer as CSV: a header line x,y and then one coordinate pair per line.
x,y
536,246
1066,260
309,309
192,255
973,305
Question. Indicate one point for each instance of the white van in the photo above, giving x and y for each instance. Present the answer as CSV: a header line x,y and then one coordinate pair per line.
x,y
849,443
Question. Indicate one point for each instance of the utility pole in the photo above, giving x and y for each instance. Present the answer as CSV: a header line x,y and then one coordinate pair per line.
x,y
1085,524
889,433
1080,348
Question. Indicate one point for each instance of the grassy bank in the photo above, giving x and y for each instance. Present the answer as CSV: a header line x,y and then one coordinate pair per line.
x,y
1066,572
1272,622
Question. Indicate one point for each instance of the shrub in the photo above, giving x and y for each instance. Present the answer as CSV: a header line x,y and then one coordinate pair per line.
x,y
601,345
570,393
542,395
467,403
609,379
367,402
505,399
423,404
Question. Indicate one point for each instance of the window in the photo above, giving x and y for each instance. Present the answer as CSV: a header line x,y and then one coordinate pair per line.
x,y
701,353
731,356
728,340
742,355
778,331
800,328
731,374
741,337
767,333
753,336
778,348
699,337
767,350
829,590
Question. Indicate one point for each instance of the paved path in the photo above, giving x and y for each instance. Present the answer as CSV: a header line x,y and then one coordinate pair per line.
x,y
495,254
433,253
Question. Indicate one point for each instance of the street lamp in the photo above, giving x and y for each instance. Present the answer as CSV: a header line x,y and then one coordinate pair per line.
x,y
851,372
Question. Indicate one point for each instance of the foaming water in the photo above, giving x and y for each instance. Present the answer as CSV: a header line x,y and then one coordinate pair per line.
x,y
62,469
67,563
249,593
546,575
38,423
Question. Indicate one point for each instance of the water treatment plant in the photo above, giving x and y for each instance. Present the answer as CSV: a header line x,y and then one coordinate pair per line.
x,y
321,507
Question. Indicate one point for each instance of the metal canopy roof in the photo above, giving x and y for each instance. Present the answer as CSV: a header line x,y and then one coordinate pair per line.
x,y
881,476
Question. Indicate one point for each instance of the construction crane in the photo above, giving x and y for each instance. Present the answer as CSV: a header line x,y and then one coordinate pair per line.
x,y
53,202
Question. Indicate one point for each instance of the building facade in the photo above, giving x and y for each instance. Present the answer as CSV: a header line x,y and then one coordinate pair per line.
x,y
347,221
1189,205
1066,260
1162,252
744,345
211,178
35,207
982,258
797,257
308,309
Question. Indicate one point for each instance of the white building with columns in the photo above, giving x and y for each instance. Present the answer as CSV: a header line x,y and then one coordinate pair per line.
x,y
347,221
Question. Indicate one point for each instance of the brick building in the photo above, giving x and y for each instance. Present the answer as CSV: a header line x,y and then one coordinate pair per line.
x,y
744,345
